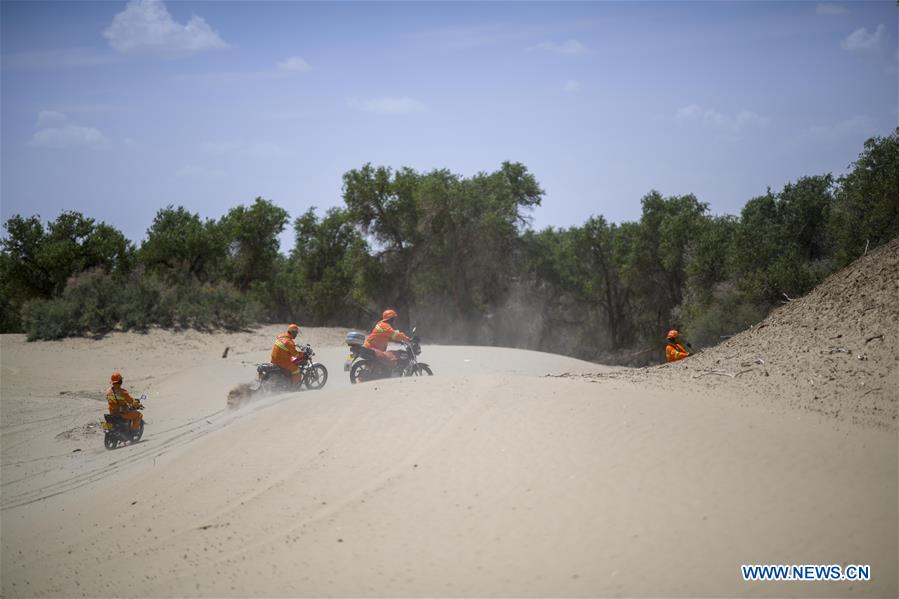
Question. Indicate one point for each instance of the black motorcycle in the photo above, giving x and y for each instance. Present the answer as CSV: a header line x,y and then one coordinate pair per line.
x,y
364,364
271,378
118,430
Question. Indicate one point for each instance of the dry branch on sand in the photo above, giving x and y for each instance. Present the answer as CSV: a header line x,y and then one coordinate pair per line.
x,y
732,375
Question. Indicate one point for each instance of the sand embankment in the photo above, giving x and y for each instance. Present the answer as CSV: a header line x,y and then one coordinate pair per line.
x,y
489,479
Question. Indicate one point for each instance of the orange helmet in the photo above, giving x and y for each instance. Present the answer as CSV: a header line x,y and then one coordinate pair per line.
x,y
293,329
388,314
116,378
673,334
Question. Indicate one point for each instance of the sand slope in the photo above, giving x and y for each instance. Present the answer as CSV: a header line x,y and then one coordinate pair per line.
x,y
834,351
489,479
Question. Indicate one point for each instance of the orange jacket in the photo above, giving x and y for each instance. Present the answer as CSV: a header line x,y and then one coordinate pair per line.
x,y
382,334
675,352
119,399
283,350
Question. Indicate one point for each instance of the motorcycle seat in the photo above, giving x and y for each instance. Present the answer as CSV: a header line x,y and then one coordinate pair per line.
x,y
365,352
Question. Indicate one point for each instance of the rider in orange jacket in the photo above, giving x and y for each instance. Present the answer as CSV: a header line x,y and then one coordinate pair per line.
x,y
674,350
121,403
384,333
284,349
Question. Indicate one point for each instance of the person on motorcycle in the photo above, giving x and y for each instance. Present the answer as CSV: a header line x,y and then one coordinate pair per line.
x,y
121,403
674,350
384,333
285,349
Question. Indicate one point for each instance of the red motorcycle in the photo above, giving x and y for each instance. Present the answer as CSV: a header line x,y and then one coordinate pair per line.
x,y
271,378
364,365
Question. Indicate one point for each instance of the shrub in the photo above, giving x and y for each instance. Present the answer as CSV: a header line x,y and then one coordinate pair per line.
x,y
95,303
728,312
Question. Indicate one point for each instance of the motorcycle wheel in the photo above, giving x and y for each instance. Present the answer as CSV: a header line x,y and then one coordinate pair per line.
x,y
316,376
110,441
362,371
423,369
136,435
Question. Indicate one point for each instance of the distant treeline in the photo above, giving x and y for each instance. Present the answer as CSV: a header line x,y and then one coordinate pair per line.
x,y
455,256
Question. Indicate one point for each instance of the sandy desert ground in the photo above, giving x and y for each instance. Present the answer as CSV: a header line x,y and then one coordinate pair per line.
x,y
488,479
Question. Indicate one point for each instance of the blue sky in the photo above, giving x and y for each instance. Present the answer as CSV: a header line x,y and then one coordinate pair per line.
x,y
118,109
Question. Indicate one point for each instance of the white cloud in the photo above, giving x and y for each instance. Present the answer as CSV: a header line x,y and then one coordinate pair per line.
x,y
689,113
713,119
829,8
146,26
572,86
296,64
50,118
859,126
192,171
386,105
65,57
566,47
70,136
70,108
56,132
860,39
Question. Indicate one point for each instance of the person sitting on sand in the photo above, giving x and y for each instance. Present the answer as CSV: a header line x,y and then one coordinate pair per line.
x,y
285,349
384,333
674,351
121,403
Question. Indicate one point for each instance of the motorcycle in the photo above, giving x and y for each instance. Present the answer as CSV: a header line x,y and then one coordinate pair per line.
x,y
364,365
271,378
118,430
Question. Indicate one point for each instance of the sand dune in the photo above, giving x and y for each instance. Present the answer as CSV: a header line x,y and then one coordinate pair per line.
x,y
489,479
834,351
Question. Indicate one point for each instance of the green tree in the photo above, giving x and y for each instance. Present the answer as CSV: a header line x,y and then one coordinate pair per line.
x,y
804,209
708,263
587,264
382,203
251,235
37,262
180,246
781,245
714,306
471,233
866,210
654,261
24,270
329,269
